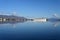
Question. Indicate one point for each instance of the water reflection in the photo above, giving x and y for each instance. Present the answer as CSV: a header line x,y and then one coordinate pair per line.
x,y
54,21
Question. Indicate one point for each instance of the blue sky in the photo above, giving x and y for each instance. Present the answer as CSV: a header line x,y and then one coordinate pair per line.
x,y
31,8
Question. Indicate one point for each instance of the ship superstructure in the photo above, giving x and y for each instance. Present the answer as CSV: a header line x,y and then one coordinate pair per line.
x,y
40,19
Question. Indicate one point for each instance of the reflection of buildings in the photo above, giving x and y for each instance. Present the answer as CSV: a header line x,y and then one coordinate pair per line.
x,y
11,22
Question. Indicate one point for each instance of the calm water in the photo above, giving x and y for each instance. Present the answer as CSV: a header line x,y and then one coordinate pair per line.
x,y
30,31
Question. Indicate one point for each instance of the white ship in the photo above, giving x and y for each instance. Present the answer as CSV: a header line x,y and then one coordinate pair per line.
x,y
40,20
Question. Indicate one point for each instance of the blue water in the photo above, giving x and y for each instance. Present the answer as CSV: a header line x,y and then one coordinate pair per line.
x,y
30,31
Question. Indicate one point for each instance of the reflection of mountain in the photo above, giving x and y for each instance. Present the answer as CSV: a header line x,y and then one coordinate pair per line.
x,y
55,21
